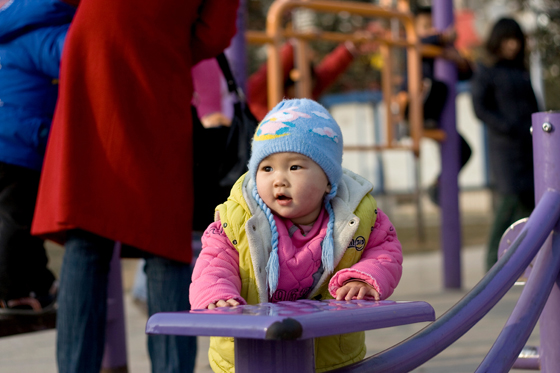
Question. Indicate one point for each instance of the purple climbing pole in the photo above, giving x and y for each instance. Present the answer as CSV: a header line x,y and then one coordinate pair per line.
x,y
546,150
114,356
237,52
446,72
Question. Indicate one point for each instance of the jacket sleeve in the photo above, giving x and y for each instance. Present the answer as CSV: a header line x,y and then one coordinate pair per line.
x,y
216,271
214,28
330,68
257,87
483,98
207,86
46,47
380,264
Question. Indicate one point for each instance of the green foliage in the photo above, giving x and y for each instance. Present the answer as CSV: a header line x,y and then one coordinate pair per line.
x,y
547,37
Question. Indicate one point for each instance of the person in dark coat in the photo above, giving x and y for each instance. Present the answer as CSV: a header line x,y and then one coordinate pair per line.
x,y
504,100
118,164
32,35
435,91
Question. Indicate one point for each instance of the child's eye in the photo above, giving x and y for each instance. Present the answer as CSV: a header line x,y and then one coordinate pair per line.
x,y
267,168
295,167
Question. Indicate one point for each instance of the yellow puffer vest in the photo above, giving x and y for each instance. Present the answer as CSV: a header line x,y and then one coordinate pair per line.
x,y
330,352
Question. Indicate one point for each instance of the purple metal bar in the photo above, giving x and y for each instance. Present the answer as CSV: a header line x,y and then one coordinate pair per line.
x,y
274,356
509,236
529,356
503,354
236,53
446,72
278,337
114,356
449,327
546,150
528,359
523,319
303,319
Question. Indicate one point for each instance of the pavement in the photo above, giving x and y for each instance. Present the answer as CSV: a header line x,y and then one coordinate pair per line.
x,y
422,280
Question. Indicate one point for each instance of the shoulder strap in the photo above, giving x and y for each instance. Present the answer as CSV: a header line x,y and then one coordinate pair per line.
x,y
226,70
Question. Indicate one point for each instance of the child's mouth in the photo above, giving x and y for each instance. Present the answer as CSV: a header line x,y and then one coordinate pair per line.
x,y
283,200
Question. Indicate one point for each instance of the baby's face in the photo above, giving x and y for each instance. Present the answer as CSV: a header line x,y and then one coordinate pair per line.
x,y
292,186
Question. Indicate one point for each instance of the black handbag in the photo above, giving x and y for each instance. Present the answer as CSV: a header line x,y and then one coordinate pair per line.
x,y
220,154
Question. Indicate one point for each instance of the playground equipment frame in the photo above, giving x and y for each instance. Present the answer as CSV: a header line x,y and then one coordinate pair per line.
x,y
275,35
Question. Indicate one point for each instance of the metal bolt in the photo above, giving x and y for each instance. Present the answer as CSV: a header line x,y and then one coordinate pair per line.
x,y
547,127
531,130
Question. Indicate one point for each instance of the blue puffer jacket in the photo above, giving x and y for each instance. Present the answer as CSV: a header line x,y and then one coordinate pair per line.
x,y
32,34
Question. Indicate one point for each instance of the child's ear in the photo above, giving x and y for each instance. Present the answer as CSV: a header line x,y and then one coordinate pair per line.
x,y
329,188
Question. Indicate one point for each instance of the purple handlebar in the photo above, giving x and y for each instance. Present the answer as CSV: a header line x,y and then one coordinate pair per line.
x,y
299,320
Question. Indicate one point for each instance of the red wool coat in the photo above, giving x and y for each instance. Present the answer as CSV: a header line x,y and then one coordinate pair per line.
x,y
118,161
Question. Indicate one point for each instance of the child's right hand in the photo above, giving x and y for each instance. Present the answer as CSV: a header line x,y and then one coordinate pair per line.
x,y
223,303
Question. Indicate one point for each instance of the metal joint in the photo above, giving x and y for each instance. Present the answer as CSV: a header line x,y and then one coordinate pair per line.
x,y
547,127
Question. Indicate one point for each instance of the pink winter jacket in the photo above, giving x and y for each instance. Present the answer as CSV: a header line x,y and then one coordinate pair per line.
x,y
216,274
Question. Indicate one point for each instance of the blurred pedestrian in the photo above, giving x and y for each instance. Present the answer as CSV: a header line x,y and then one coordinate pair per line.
x,y
32,35
434,91
504,100
118,165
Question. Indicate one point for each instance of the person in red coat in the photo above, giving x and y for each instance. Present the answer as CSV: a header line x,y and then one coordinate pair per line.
x,y
324,74
118,165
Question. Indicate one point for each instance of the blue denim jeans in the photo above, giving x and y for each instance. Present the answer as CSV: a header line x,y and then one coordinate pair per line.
x,y
82,307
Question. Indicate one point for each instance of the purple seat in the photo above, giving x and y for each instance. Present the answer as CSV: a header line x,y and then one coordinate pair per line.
x,y
283,332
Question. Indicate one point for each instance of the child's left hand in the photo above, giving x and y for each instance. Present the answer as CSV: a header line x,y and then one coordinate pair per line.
x,y
358,289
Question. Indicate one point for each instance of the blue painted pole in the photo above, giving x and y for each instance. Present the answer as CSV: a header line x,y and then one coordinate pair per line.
x,y
546,151
446,72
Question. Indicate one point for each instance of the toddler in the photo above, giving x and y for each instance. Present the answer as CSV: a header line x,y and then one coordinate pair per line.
x,y
297,226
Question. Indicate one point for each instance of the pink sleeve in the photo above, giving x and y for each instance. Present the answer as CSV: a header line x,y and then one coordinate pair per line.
x,y
381,262
207,86
216,272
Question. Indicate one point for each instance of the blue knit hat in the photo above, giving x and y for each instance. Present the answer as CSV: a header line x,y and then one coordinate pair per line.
x,y
300,126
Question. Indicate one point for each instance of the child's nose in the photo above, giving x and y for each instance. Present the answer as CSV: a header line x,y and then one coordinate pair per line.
x,y
280,180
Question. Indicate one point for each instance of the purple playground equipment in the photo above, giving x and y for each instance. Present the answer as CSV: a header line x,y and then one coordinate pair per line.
x,y
282,333
114,355
446,72
278,337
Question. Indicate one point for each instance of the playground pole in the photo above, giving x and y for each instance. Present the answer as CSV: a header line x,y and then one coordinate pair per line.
x,y
114,356
446,72
236,53
546,150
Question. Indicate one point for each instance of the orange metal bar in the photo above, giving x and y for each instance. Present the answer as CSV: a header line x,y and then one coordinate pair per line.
x,y
387,89
303,84
260,37
275,34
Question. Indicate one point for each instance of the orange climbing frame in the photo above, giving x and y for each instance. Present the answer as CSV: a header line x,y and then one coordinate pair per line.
x,y
275,35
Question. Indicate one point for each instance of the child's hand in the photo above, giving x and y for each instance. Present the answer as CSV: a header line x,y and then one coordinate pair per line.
x,y
358,289
223,303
